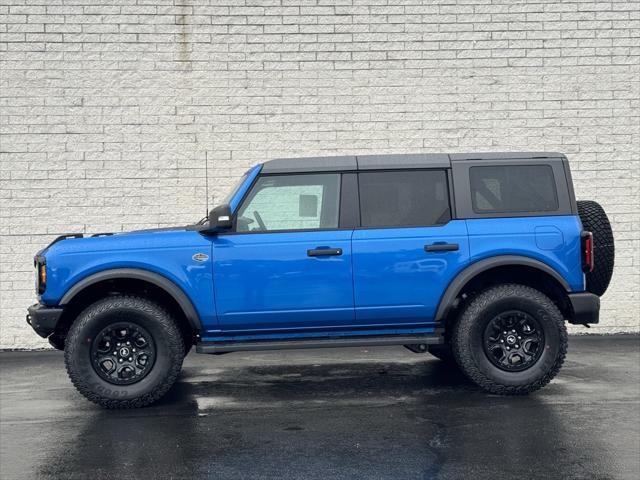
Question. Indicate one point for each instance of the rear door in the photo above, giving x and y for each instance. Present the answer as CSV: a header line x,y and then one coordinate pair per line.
x,y
408,248
288,264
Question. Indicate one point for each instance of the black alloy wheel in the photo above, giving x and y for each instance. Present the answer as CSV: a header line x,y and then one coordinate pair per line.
x,y
513,341
123,353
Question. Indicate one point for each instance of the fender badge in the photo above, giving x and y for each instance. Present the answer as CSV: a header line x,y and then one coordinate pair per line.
x,y
200,257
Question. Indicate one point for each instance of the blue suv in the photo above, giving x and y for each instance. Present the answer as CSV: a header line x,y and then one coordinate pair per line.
x,y
478,259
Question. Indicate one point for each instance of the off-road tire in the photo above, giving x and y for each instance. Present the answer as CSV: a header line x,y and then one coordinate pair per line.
x,y
170,351
595,220
467,339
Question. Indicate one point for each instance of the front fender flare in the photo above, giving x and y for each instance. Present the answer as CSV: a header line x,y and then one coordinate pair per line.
x,y
156,279
466,275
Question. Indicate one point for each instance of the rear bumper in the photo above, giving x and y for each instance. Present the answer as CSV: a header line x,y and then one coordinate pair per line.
x,y
43,319
586,308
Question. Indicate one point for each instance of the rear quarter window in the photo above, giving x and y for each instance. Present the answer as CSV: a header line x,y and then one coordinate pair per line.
x,y
513,189
404,198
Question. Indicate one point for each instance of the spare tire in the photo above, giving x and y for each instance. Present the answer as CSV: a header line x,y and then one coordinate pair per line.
x,y
594,220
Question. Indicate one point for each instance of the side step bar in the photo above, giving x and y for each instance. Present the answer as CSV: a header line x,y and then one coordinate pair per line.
x,y
223,347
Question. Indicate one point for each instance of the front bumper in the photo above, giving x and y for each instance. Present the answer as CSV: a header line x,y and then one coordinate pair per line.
x,y
586,308
43,319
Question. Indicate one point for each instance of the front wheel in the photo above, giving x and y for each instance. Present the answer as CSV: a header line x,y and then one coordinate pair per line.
x,y
124,352
510,340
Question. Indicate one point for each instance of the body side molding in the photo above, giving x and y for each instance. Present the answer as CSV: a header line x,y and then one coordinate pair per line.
x,y
458,283
156,279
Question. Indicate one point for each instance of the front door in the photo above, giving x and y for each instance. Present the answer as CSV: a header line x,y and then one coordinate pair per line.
x,y
287,265
408,248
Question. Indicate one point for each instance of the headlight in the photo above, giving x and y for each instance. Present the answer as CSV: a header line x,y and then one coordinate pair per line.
x,y
41,274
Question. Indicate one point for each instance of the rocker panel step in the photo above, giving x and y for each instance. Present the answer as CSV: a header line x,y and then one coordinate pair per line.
x,y
222,347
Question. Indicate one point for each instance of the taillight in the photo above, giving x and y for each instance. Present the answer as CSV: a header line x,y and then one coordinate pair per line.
x,y
587,252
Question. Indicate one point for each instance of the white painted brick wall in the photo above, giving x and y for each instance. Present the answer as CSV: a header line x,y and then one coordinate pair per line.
x,y
108,106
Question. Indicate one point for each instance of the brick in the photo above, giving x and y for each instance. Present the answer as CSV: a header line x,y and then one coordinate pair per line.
x,y
107,108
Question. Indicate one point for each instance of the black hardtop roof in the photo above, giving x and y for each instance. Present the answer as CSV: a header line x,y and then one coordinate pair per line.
x,y
391,161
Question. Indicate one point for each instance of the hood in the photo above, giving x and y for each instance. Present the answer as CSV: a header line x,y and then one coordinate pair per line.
x,y
79,242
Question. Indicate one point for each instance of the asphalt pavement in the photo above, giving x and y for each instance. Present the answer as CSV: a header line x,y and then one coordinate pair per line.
x,y
371,413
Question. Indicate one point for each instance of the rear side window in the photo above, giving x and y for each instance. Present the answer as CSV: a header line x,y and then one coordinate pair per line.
x,y
513,189
404,198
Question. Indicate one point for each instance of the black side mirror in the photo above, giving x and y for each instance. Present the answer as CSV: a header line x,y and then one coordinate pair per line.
x,y
220,218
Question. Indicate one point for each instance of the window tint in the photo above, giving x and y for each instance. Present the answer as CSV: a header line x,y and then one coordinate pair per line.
x,y
291,202
404,198
513,188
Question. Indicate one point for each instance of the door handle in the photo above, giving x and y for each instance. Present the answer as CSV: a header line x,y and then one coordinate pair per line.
x,y
441,247
324,252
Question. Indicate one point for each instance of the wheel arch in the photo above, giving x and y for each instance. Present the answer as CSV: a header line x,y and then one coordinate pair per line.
x,y
556,287
162,284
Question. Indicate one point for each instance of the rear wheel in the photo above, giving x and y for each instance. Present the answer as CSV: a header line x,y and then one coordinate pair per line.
x,y
124,352
510,340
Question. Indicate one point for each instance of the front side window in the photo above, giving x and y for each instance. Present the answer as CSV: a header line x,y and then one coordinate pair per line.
x,y
291,202
404,198
513,189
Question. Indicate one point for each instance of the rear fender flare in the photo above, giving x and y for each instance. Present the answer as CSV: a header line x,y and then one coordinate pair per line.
x,y
466,275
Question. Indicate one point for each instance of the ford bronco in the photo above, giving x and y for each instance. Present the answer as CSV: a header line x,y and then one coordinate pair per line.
x,y
478,259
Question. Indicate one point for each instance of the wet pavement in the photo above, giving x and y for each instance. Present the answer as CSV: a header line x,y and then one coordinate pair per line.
x,y
329,414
